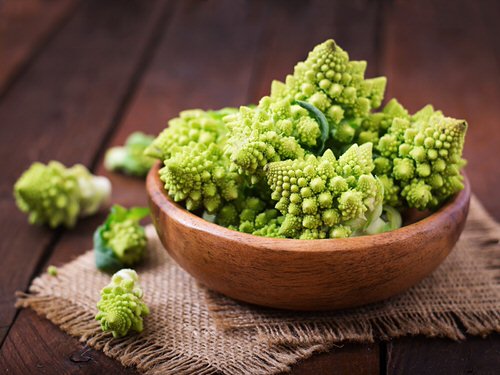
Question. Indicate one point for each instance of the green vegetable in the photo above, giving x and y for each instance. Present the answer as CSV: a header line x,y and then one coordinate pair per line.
x,y
52,270
55,195
121,241
130,158
315,158
121,308
421,158
328,198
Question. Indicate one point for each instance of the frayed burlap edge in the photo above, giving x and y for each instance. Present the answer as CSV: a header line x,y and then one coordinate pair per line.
x,y
455,324
145,354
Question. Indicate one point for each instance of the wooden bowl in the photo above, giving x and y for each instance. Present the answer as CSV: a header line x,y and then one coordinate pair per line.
x,y
305,274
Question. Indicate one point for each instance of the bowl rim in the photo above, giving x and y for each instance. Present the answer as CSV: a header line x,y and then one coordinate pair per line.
x,y
158,195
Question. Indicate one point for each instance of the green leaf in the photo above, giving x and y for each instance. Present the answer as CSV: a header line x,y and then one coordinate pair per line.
x,y
137,213
321,120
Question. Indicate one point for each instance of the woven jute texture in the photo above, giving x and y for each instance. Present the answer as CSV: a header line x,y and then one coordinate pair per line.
x,y
193,331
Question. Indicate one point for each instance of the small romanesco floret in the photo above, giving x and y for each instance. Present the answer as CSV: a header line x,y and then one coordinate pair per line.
x,y
121,308
130,158
55,195
250,215
121,241
199,175
192,126
328,198
421,158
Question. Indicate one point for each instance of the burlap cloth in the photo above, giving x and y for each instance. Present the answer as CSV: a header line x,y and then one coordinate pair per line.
x,y
191,330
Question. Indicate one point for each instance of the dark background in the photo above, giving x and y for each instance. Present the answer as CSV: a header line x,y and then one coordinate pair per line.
x,y
78,76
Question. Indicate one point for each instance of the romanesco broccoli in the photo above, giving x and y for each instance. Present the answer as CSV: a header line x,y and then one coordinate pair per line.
x,y
421,158
121,241
130,158
121,308
192,126
264,170
322,197
55,195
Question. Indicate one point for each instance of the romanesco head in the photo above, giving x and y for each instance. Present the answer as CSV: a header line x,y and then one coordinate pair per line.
x,y
335,85
55,195
423,157
194,125
272,131
121,308
322,197
130,158
127,239
121,241
199,175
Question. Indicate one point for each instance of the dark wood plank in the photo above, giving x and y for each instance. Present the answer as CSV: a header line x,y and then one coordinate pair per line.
x,y
342,360
28,353
208,39
421,356
62,109
433,56
25,26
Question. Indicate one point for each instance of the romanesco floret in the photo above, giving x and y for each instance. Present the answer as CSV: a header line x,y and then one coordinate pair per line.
x,y
421,158
322,197
335,85
194,125
272,131
121,241
121,308
251,215
55,195
199,175
130,158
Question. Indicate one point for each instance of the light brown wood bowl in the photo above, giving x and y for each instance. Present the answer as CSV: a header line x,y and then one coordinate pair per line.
x,y
305,274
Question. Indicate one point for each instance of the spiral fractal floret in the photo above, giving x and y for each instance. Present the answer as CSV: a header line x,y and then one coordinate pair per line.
x,y
192,126
322,197
421,158
199,175
55,195
121,308
250,215
335,85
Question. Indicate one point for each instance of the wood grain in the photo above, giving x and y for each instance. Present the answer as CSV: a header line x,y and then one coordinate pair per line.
x,y
72,92
25,27
305,274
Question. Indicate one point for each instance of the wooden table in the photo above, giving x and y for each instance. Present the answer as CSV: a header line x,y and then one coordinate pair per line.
x,y
78,76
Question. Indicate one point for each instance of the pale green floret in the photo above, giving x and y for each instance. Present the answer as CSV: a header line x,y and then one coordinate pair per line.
x,y
121,240
250,215
55,195
52,270
121,308
128,241
199,175
335,85
322,197
421,158
272,131
130,158
194,125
